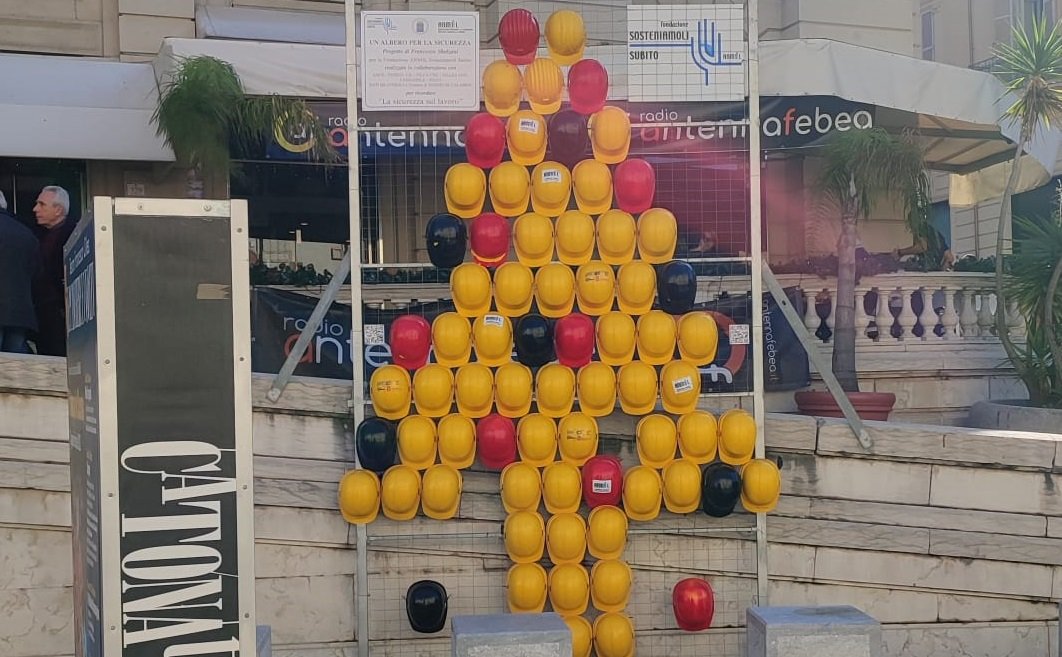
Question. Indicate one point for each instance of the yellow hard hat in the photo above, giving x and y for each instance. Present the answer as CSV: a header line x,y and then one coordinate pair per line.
x,y
656,337
616,333
526,586
513,384
617,235
457,441
610,584
698,338
474,388
470,288
565,36
359,496
566,538
610,134
642,493
513,289
441,492
544,82
636,287
417,442
533,239
400,492
582,635
682,486
606,532
510,189
502,86
525,536
451,339
636,388
433,390
525,134
761,486
657,235
656,440
492,338
595,288
577,437
680,387
596,383
390,390
521,487
555,390
465,189
562,487
698,436
551,188
575,237
737,437
555,290
537,439
592,184
613,635
569,589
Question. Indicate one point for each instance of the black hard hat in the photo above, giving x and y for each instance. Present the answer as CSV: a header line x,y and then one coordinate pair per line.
x,y
534,340
426,606
377,444
676,287
720,489
447,239
569,139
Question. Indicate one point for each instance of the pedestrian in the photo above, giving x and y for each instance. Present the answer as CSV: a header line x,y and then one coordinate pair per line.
x,y
53,230
18,264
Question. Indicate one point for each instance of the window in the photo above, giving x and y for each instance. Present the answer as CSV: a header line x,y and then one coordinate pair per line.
x,y
929,41
1002,20
1036,9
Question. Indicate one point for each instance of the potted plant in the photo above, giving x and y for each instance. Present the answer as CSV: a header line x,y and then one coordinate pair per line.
x,y
862,168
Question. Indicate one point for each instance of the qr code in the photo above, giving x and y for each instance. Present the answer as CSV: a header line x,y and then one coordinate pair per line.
x,y
739,334
374,334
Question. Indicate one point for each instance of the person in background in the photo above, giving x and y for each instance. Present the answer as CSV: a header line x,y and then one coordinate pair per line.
x,y
53,230
18,264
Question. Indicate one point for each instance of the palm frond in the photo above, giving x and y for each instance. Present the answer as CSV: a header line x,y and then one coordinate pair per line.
x,y
1031,69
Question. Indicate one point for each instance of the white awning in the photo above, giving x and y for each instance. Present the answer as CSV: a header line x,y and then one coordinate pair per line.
x,y
66,107
269,25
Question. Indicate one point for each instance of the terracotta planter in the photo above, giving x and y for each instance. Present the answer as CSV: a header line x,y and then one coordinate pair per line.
x,y
868,405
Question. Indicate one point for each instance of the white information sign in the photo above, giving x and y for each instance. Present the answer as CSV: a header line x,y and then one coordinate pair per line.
x,y
686,52
420,60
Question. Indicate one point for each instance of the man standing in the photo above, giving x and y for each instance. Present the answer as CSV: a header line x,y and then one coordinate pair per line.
x,y
18,264
51,210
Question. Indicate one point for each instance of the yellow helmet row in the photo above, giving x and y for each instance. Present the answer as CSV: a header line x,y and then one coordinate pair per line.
x,y
400,493
567,586
536,439
419,440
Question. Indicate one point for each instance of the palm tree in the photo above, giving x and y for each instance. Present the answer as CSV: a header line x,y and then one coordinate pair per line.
x,y
860,169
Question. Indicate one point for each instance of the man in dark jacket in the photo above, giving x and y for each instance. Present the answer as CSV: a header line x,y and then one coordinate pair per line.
x,y
53,230
18,264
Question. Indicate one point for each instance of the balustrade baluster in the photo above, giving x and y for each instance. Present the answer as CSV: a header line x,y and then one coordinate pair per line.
x,y
811,313
907,317
883,318
950,319
985,317
928,317
968,316
863,318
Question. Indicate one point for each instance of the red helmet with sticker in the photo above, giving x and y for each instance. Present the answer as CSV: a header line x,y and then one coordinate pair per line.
x,y
602,481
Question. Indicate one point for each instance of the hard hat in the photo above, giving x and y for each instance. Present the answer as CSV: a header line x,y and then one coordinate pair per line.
x,y
575,237
610,584
636,287
682,486
426,606
636,388
615,338
569,589
596,384
592,185
566,538
470,288
510,188
606,531
359,496
433,390
561,487
698,338
551,188
635,185
613,635
521,487
376,442
474,390
565,36
447,240
595,288
441,492
602,481
680,387
720,489
502,86
417,442
451,337
577,437
513,289
655,440
761,485
610,135
492,338
555,290
525,536
587,86
616,236
513,385
496,441
457,440
582,635
400,492
465,188
569,137
537,439
642,493
526,584
484,140
410,341
489,235
389,388
527,135
573,339
657,235
693,602
555,390
518,35
534,340
737,437
545,86
676,287
698,436
656,337
533,239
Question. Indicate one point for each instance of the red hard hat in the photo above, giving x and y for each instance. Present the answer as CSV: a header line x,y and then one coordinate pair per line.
x,y
573,339
410,341
490,239
694,604
496,441
518,33
484,140
587,86
635,185
602,481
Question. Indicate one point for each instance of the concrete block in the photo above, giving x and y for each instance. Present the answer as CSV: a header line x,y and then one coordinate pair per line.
x,y
790,432
856,479
144,34
511,635
996,490
841,631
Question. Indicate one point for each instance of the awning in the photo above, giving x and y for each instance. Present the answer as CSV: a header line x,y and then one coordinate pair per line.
x,y
66,107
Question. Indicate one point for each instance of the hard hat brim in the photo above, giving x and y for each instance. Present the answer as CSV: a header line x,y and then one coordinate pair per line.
x,y
567,60
621,259
511,210
530,160
731,459
545,109
650,359
680,409
757,508
610,158
633,309
390,415
515,311
550,210
501,112
455,362
594,209
699,362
